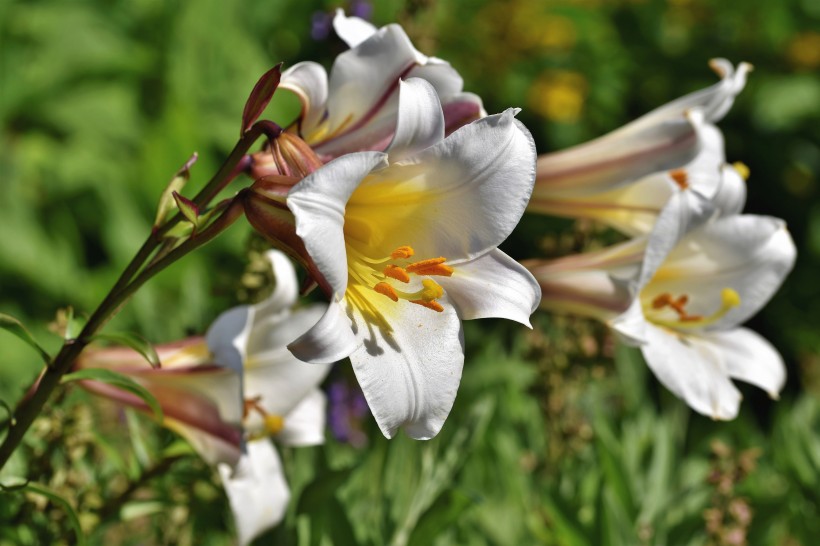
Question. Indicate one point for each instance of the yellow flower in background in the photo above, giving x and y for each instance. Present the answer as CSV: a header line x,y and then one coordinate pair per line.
x,y
559,95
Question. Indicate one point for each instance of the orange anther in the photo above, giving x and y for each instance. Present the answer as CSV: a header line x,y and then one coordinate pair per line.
x,y
442,270
396,272
424,264
680,178
402,253
386,290
434,305
661,301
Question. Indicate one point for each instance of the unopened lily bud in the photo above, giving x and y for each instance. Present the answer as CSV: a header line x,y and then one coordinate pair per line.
x,y
288,155
267,212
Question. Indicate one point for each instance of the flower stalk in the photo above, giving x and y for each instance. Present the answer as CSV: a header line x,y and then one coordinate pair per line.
x,y
135,274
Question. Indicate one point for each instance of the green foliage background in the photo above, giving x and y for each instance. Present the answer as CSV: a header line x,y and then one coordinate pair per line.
x,y
557,436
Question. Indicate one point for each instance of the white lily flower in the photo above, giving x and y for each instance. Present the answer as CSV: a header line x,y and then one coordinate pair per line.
x,y
407,240
634,208
232,391
683,307
625,178
356,108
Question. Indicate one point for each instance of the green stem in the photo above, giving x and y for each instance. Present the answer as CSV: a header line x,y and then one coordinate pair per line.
x,y
130,280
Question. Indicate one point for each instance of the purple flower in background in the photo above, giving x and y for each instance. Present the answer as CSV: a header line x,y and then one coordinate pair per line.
x,y
362,9
320,25
347,408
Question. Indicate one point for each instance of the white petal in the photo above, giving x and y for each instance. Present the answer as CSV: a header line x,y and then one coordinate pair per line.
x,y
750,358
332,338
694,369
213,448
658,141
461,109
228,334
409,366
305,424
308,80
730,197
493,285
318,203
353,30
631,325
593,294
685,211
715,101
363,91
443,77
257,491
274,333
749,254
285,290
620,157
420,121
458,199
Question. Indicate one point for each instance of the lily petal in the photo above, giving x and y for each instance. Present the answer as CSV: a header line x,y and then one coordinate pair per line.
x,y
257,491
420,122
493,285
330,340
227,337
752,359
285,290
308,80
318,203
353,30
458,199
730,197
694,369
305,424
409,369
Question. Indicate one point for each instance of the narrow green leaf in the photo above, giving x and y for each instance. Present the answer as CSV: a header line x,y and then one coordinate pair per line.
x,y
139,344
16,328
64,504
166,201
120,381
188,208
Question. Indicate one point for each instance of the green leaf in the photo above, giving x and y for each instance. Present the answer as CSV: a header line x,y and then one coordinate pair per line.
x,y
120,381
63,503
442,514
139,344
16,327
188,208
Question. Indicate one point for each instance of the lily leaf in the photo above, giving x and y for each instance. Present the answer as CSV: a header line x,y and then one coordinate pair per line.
x,y
120,381
139,344
188,208
16,327
63,503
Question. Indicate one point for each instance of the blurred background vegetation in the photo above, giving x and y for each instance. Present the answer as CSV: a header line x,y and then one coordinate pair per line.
x,y
558,436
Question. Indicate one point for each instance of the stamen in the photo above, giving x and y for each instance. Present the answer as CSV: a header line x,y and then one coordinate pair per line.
x,y
386,290
680,178
742,169
729,299
433,266
434,305
396,272
402,253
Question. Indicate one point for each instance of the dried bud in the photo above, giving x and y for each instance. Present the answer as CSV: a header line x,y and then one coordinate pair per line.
x,y
288,155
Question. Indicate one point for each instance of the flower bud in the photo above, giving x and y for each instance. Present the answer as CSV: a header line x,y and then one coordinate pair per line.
x,y
288,155
267,212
